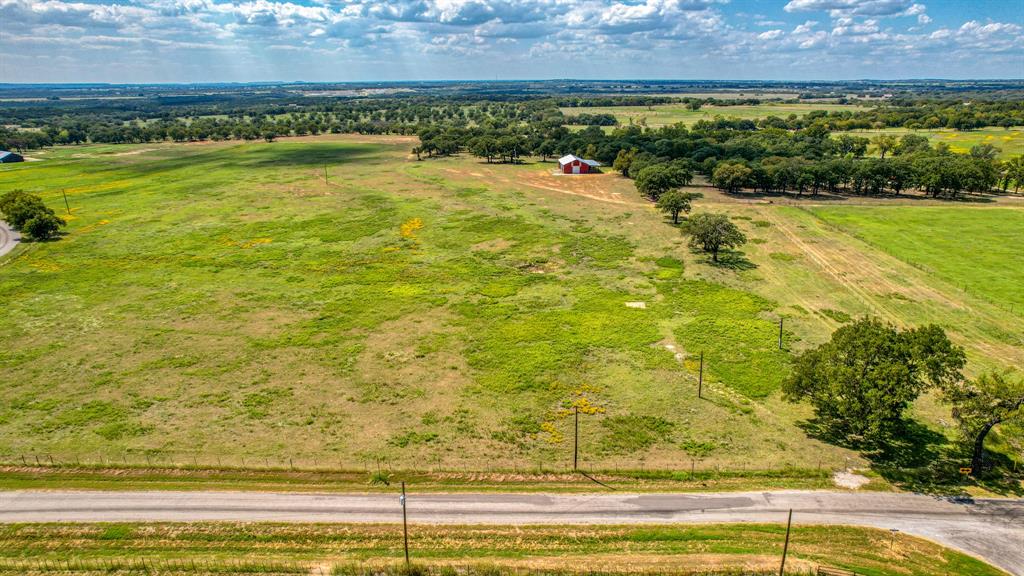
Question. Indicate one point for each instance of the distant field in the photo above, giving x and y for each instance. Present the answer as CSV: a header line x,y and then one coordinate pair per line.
x,y
978,249
265,548
665,114
733,94
1009,141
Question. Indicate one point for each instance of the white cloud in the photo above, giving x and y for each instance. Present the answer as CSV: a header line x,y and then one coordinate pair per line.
x,y
630,37
805,27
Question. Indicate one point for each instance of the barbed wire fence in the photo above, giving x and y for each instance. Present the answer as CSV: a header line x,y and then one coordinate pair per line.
x,y
197,462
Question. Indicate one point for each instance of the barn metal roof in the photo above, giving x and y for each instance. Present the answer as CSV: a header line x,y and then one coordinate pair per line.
x,y
568,158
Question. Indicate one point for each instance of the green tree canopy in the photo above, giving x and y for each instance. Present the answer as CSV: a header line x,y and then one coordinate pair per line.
x,y
981,404
884,143
675,201
655,180
28,213
863,379
623,160
731,177
713,232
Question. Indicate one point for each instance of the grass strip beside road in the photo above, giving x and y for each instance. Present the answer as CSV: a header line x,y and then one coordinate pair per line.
x,y
275,480
352,549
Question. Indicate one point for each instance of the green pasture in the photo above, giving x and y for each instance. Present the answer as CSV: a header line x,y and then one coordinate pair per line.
x,y
364,549
1010,141
221,304
975,249
667,114
221,300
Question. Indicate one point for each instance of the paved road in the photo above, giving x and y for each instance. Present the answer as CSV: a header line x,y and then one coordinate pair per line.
x,y
8,238
990,529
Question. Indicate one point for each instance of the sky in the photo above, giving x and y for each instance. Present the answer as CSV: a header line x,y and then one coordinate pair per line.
x,y
149,41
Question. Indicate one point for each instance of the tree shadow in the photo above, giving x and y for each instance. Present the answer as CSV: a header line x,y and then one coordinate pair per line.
x,y
770,196
252,155
825,197
919,459
732,260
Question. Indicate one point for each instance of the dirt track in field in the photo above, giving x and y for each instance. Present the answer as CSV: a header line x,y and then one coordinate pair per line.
x,y
593,186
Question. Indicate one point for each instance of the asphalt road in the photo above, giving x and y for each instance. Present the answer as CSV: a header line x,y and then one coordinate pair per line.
x,y
8,238
988,528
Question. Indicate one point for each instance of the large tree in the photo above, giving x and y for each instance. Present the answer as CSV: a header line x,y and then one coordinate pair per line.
x,y
884,143
731,177
28,213
1013,172
623,160
655,180
675,201
981,404
863,379
713,232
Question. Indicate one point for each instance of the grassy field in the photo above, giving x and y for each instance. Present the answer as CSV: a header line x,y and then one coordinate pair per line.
x,y
1009,141
493,550
977,249
221,302
254,476
827,262
666,114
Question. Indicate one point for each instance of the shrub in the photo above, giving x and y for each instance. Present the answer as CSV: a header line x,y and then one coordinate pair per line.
x,y
43,225
26,212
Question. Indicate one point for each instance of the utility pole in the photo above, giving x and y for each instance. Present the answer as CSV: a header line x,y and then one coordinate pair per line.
x,y
785,548
66,205
700,377
405,526
780,333
576,441
325,175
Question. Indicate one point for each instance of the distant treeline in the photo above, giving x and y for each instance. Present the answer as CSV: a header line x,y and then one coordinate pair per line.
x,y
795,153
221,117
738,155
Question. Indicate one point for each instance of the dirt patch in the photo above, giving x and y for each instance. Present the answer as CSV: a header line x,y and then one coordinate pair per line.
x,y
134,152
495,245
849,479
679,356
611,188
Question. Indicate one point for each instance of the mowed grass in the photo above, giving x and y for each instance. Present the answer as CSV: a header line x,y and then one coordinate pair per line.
x,y
1010,141
350,549
978,250
222,300
667,114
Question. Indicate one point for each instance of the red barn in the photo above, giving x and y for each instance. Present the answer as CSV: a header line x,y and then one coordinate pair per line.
x,y
570,164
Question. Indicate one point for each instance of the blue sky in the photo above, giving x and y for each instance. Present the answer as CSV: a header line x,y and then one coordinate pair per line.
x,y
359,40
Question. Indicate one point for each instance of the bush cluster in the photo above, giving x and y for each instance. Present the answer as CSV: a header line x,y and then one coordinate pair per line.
x,y
27,213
